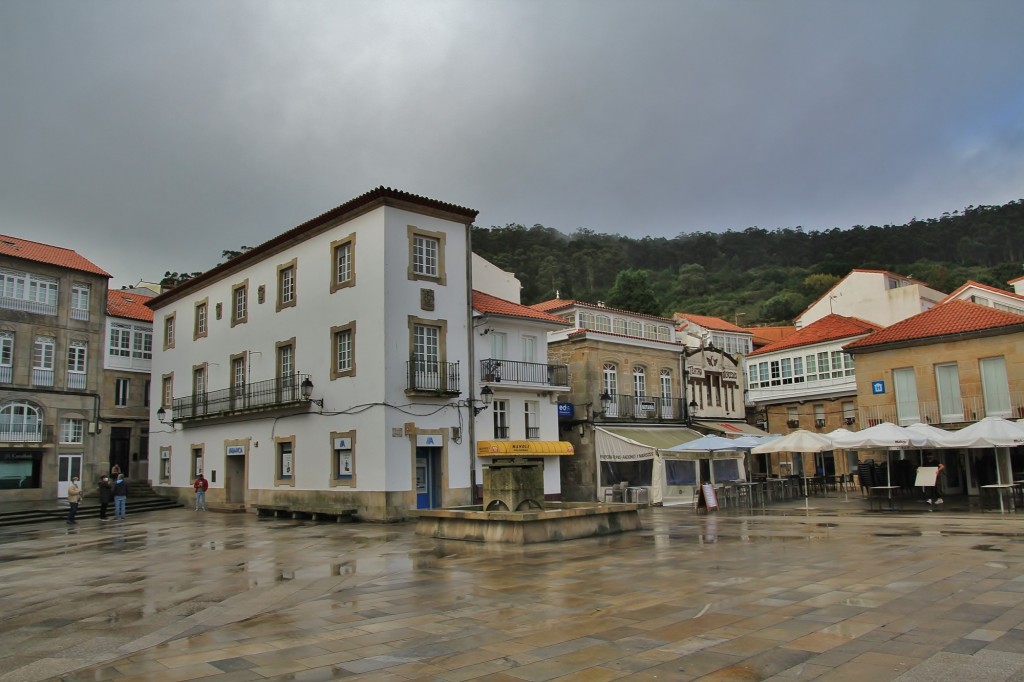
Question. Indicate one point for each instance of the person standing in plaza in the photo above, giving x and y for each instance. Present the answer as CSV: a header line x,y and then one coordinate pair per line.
x,y
120,497
115,471
74,497
106,495
934,492
201,485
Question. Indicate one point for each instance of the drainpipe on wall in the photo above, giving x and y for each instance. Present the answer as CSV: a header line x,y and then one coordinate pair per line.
x,y
470,335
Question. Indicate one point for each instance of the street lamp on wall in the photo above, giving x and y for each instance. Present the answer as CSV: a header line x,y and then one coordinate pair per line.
x,y
307,393
692,411
161,416
486,397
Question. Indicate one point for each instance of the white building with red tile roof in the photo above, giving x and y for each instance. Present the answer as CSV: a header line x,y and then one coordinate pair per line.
x,y
807,380
986,295
329,368
1018,285
879,296
522,386
704,330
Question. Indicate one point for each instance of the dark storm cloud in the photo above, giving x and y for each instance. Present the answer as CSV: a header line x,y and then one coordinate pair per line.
x,y
152,135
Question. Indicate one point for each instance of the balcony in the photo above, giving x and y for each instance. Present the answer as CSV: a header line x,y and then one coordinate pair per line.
x,y
255,397
6,374
970,409
27,306
42,377
644,408
76,381
424,377
26,434
514,372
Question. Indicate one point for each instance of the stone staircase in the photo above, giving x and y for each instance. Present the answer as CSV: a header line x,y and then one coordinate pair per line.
x,y
141,498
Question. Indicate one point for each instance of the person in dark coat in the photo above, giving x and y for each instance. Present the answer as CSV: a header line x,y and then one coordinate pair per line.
x,y
120,497
106,496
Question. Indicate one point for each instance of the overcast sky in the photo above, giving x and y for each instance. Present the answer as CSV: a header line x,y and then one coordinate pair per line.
x,y
150,136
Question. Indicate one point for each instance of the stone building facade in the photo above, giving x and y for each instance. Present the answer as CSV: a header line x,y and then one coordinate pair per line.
x,y
52,309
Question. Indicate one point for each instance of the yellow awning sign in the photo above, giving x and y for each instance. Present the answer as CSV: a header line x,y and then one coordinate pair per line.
x,y
523,448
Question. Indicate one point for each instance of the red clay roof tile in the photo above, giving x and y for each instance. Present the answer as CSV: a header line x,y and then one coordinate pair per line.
x,y
776,333
715,323
829,328
44,253
951,317
130,305
492,305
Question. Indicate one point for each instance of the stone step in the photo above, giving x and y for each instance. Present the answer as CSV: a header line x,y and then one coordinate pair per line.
x,y
91,510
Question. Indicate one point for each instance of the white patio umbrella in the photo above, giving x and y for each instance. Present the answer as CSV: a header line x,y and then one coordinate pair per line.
x,y
990,432
713,444
704,444
937,438
800,440
883,436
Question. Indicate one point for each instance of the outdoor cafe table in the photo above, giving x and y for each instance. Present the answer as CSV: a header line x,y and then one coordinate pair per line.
x,y
1003,493
753,488
880,493
807,482
777,488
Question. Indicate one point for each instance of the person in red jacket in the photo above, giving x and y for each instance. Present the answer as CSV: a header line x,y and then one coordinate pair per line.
x,y
201,486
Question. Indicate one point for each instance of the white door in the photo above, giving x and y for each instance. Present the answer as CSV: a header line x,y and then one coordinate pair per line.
x,y
67,466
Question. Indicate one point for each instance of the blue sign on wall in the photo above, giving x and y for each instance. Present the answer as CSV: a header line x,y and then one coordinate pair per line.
x,y
565,410
878,387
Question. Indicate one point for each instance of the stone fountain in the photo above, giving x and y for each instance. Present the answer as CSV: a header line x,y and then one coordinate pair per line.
x,y
514,510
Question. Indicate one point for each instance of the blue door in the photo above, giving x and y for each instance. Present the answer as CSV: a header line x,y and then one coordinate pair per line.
x,y
428,477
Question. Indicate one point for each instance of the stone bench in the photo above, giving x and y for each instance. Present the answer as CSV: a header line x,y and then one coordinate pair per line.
x,y
283,511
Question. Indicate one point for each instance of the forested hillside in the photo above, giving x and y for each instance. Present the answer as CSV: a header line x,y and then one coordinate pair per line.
x,y
758,275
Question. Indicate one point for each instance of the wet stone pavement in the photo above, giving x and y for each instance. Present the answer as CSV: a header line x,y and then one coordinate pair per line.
x,y
829,594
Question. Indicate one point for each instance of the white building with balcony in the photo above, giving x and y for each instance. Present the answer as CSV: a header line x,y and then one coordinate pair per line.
x,y
325,371
521,387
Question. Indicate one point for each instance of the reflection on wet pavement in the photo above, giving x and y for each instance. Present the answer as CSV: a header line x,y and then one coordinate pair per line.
x,y
176,596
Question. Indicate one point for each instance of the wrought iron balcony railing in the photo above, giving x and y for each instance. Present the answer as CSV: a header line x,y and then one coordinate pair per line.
x,y
644,408
427,376
515,372
259,395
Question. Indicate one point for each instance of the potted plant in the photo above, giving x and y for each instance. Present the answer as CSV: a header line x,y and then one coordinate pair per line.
x,y
492,370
